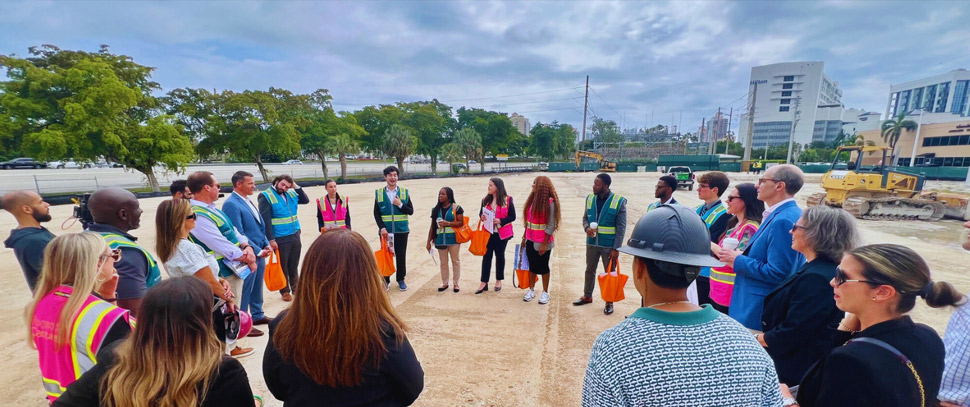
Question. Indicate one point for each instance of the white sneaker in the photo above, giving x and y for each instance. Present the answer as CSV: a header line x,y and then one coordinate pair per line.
x,y
529,295
544,298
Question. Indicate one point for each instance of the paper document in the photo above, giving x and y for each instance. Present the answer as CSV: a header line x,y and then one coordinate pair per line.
x,y
521,260
433,257
489,221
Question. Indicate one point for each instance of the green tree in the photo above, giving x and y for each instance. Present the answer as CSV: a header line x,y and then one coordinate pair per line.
x,y
892,129
61,104
452,153
260,124
323,126
471,146
498,134
399,142
605,131
376,121
343,144
550,141
431,121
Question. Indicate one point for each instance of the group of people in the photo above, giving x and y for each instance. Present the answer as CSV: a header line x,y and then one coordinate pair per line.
x,y
745,301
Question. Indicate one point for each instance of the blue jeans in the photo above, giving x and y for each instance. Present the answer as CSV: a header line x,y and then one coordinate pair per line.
x,y
252,292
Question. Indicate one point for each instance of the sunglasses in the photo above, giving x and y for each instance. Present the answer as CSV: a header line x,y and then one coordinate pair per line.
x,y
840,279
190,217
731,198
797,227
114,254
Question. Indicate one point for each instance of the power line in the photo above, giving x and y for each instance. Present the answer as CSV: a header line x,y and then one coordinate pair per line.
x,y
537,101
548,110
607,103
506,96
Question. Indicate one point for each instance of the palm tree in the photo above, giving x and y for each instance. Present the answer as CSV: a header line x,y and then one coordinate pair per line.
x,y
452,153
343,145
892,129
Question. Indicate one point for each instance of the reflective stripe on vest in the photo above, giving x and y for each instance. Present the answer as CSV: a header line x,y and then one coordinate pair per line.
x,y
115,240
535,227
225,227
333,216
501,212
713,214
285,221
606,219
446,235
394,220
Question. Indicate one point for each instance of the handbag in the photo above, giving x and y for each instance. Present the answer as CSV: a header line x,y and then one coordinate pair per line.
x,y
901,357
385,259
612,283
521,268
274,277
479,245
464,233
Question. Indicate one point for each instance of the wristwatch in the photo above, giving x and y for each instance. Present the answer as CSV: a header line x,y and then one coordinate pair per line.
x,y
788,401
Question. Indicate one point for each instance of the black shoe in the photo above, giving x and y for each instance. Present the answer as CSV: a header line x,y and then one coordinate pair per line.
x,y
261,321
609,308
482,290
442,288
456,288
583,301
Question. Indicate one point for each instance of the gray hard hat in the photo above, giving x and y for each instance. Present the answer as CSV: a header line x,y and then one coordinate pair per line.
x,y
673,234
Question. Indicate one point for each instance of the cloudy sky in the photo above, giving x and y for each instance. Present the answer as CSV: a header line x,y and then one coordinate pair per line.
x,y
656,62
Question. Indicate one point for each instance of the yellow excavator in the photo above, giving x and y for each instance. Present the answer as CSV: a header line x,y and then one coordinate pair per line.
x,y
874,192
605,165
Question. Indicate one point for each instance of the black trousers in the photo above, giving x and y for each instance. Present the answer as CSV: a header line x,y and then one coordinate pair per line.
x,y
496,246
538,264
400,256
290,261
704,290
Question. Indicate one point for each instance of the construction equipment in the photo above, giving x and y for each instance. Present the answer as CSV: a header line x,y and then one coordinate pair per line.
x,y
605,165
874,192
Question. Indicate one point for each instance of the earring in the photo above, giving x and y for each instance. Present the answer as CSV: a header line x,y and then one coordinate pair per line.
x,y
873,298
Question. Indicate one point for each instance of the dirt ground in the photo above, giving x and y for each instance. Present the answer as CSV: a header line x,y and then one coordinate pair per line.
x,y
479,350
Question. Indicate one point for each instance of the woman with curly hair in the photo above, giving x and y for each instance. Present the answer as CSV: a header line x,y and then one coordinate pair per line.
x,y
542,218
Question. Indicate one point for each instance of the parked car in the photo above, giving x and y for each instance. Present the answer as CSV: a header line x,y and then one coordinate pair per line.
x,y
22,162
67,164
293,162
684,175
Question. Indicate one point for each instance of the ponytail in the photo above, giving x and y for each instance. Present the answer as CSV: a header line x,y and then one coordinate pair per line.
x,y
940,294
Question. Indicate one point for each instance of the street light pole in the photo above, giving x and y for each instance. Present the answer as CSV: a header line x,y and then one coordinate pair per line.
x,y
919,125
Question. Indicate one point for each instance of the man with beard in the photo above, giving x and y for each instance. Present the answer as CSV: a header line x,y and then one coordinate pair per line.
x,y
29,239
115,212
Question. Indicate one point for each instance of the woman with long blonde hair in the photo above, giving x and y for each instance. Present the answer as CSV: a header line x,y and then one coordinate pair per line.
x,y
341,342
172,359
174,220
542,218
73,314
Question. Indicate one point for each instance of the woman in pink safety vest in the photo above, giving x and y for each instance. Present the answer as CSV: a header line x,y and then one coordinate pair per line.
x,y
542,218
333,211
499,202
72,314
742,202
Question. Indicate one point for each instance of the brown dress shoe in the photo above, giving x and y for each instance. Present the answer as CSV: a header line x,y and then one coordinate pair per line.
x,y
583,301
261,321
254,332
239,352
287,297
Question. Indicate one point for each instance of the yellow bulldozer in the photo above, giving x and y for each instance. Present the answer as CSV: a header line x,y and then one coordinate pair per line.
x,y
605,165
876,191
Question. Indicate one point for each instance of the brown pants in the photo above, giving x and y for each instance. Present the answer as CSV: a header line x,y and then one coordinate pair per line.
x,y
453,251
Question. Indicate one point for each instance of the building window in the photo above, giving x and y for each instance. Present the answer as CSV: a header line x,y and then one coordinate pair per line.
x,y
916,99
929,97
786,93
904,101
942,96
786,101
786,86
789,78
960,98
893,103
783,109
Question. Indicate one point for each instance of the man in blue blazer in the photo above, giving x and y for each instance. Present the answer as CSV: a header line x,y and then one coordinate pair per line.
x,y
769,259
244,214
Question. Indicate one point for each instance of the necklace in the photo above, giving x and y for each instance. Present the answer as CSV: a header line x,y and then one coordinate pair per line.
x,y
667,303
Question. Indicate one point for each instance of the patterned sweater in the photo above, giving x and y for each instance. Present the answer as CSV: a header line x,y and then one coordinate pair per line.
x,y
667,359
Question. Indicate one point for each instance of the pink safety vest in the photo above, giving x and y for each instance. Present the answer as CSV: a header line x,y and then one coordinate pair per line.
x,y
332,216
504,232
61,366
535,227
722,278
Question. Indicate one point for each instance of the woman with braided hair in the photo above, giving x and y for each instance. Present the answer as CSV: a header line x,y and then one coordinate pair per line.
x,y
542,219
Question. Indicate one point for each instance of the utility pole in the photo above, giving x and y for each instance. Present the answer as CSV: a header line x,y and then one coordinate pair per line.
x,y
702,132
585,107
727,140
794,122
750,136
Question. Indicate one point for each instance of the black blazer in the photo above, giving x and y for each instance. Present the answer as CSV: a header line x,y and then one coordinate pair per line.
x,y
863,374
800,320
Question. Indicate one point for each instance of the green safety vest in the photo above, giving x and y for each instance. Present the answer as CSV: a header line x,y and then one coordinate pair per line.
x,y
115,241
225,227
394,220
709,218
446,235
285,221
606,222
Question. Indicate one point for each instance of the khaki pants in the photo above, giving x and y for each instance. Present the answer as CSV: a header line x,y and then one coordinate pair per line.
x,y
453,251
236,284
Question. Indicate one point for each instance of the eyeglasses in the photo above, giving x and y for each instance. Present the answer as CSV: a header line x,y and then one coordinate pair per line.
x,y
797,227
699,186
190,217
114,254
840,279
731,198
763,180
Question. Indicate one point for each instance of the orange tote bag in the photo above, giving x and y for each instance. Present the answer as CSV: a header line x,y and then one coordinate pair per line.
x,y
273,276
464,233
479,243
521,268
611,284
385,259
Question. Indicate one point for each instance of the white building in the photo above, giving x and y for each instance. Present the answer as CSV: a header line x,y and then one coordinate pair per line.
x,y
788,91
941,98
521,123
857,120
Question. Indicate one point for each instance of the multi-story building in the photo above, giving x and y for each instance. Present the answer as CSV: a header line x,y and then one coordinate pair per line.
x,y
792,92
521,123
942,98
717,128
